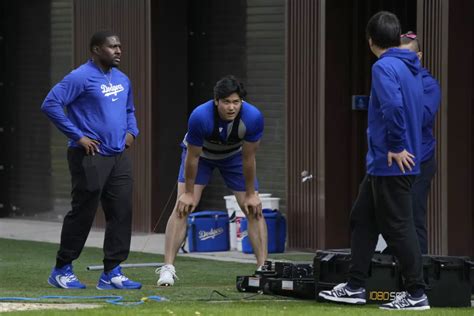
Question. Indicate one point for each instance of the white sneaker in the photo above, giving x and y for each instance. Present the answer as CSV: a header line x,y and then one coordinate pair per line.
x,y
167,275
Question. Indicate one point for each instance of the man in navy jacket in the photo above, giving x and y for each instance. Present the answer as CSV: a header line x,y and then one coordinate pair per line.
x,y
431,101
384,203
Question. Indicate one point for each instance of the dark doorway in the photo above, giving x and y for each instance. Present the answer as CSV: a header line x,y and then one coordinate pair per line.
x,y
216,47
347,61
351,60
7,117
25,161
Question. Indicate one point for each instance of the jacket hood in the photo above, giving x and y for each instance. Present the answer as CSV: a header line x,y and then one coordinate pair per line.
x,y
409,58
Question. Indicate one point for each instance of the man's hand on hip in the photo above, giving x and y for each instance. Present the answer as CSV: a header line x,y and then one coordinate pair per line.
x,y
129,139
91,146
403,159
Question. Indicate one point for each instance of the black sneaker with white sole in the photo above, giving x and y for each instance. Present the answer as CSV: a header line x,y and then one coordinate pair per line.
x,y
341,293
404,301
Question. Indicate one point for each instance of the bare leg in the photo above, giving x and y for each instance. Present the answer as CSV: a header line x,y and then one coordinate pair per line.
x,y
257,230
176,227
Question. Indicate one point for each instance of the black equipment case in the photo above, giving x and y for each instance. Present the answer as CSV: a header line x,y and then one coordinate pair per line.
x,y
448,279
281,278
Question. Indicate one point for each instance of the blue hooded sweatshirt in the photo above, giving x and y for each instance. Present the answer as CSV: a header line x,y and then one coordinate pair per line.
x,y
99,106
431,101
395,112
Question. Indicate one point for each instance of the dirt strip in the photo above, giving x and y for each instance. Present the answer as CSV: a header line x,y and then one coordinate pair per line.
x,y
10,307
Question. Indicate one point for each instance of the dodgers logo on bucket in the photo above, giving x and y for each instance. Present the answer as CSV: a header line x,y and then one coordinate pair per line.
x,y
213,233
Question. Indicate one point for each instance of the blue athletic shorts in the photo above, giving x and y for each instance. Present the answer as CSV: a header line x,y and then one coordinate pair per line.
x,y
230,169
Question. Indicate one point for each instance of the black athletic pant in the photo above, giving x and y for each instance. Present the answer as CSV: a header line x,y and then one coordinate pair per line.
x,y
98,179
384,205
421,189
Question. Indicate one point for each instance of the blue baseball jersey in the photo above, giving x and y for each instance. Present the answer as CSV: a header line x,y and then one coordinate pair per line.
x,y
201,128
98,105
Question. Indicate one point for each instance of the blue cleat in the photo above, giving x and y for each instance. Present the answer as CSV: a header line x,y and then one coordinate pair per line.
x,y
64,278
116,280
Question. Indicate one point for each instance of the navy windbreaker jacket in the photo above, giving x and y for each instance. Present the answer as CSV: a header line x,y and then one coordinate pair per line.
x,y
431,101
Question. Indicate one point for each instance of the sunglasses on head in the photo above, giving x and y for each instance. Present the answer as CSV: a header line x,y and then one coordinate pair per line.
x,y
409,35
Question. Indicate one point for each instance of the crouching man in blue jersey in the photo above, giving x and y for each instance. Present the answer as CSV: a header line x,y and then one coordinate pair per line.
x,y
100,124
384,203
223,133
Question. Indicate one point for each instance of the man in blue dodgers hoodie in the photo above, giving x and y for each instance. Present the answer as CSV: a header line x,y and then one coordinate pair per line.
x,y
384,203
100,124
422,185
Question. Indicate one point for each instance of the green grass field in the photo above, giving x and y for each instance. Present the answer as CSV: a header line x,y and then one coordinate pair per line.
x,y
25,266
